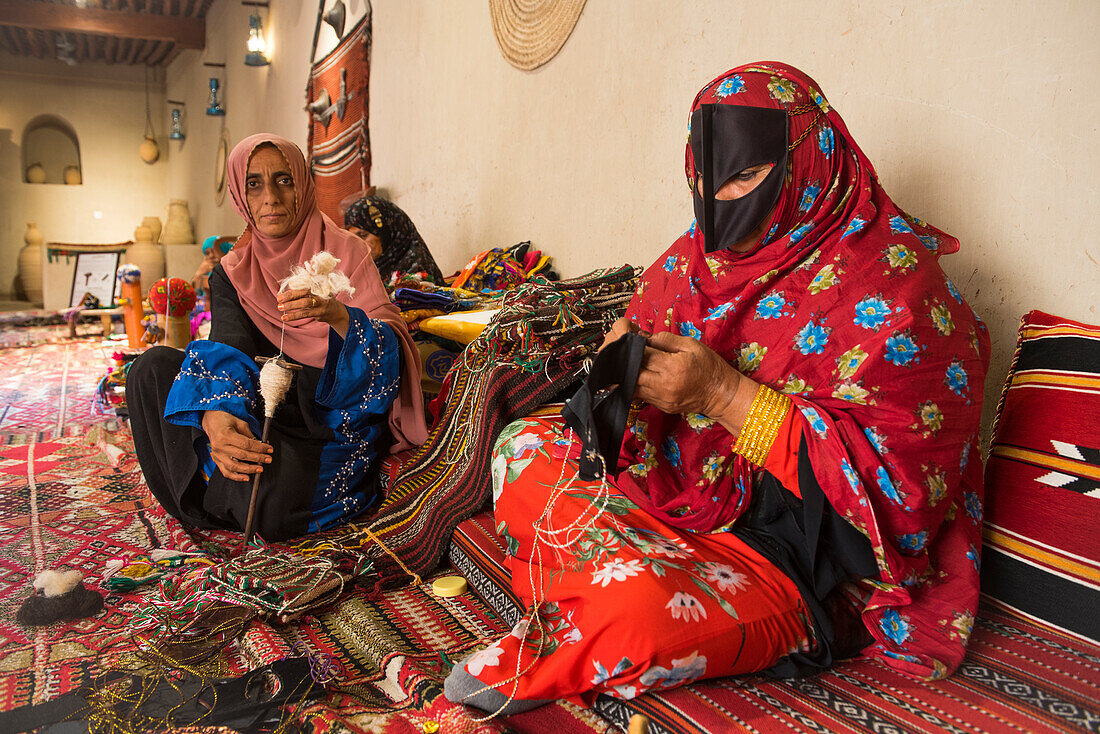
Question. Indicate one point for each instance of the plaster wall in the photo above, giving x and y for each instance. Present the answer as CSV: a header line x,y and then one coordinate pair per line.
x,y
980,117
105,105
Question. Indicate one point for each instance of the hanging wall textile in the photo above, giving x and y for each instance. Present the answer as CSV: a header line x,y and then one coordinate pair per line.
x,y
531,32
337,102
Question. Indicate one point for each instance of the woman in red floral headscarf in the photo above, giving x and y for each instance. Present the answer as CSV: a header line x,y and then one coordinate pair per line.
x,y
801,479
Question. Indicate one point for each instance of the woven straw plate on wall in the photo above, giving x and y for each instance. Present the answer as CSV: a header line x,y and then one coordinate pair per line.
x,y
531,32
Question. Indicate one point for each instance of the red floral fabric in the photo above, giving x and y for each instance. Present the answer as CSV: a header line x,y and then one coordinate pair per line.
x,y
632,605
843,307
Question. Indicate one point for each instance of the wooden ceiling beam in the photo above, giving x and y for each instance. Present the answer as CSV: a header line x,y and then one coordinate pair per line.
x,y
182,31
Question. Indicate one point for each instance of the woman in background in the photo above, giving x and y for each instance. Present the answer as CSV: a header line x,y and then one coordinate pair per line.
x,y
197,415
396,246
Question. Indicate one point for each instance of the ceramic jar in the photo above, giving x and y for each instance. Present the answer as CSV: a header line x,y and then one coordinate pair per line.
x,y
146,254
178,229
30,264
36,174
153,223
72,176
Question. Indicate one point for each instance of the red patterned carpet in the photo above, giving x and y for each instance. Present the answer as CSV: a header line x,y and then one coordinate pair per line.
x,y
65,503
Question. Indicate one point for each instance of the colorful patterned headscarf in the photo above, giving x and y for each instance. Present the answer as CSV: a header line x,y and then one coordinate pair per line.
x,y
403,249
841,305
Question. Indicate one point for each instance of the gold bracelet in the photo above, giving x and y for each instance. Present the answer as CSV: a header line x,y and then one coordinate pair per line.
x,y
768,411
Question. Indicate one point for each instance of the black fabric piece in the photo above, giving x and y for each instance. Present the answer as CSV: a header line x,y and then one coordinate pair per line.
x,y
817,549
725,140
79,602
166,451
597,412
247,704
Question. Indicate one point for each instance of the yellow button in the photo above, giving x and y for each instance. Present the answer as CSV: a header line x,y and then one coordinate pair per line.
x,y
449,586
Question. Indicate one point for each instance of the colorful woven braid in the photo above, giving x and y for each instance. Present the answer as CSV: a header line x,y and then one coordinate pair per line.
x,y
528,355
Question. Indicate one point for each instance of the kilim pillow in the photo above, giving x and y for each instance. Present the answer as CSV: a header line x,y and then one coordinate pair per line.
x,y
1042,482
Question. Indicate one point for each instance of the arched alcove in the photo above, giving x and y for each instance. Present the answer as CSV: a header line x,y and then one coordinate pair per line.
x,y
51,143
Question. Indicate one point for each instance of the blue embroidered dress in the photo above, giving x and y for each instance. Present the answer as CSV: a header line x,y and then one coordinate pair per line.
x,y
326,436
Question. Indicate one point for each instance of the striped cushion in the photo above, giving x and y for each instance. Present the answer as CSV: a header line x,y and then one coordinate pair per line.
x,y
1042,546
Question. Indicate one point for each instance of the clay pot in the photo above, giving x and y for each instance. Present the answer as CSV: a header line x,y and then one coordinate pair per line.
x,y
153,223
178,229
36,174
30,264
72,176
148,150
177,330
146,254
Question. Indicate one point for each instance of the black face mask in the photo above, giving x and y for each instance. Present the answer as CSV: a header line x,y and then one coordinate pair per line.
x,y
725,140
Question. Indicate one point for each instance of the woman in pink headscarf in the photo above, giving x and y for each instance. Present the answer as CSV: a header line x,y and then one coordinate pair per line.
x,y
197,415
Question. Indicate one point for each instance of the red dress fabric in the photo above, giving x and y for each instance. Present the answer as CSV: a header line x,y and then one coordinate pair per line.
x,y
842,306
634,605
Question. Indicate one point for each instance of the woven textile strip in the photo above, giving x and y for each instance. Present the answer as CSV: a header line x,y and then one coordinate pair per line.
x,y
339,142
1041,546
530,352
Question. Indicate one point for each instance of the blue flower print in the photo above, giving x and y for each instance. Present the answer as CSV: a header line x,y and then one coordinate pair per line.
x,y
973,506
887,487
809,196
849,474
898,224
718,312
952,289
670,264
798,233
965,459
689,329
956,378
974,558
854,226
691,230
826,141
871,313
895,626
812,338
930,241
901,349
733,85
913,541
814,419
876,438
771,306
671,450
900,656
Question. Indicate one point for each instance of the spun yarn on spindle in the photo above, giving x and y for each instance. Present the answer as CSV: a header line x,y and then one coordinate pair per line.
x,y
274,382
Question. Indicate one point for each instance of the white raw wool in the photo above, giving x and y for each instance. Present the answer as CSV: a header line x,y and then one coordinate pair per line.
x,y
56,583
319,276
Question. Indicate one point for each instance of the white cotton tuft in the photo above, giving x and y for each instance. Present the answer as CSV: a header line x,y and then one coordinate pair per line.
x,y
56,583
274,382
319,276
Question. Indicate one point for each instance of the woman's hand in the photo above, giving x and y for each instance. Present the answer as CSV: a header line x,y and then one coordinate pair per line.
x,y
235,452
621,326
301,304
681,376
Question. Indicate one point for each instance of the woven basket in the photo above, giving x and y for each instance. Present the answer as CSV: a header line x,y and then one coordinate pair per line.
x,y
531,32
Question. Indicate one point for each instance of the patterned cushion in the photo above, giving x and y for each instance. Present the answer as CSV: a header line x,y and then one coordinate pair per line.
x,y
1042,548
477,552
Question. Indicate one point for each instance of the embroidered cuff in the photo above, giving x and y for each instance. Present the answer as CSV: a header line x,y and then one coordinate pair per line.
x,y
768,411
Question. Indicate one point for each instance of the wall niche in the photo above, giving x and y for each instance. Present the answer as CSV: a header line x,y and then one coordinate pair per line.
x,y
51,152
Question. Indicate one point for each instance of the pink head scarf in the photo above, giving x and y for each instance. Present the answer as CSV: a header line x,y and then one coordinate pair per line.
x,y
257,263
